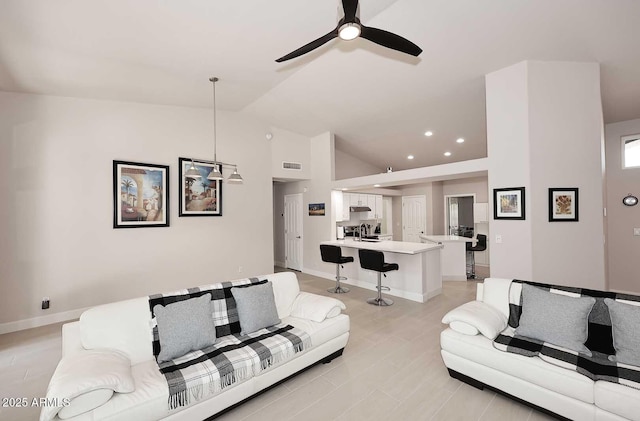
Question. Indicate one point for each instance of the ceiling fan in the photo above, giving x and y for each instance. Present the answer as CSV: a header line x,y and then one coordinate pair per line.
x,y
349,28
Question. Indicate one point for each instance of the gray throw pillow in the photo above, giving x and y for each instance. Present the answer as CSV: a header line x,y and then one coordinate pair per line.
x,y
184,326
558,319
256,307
625,320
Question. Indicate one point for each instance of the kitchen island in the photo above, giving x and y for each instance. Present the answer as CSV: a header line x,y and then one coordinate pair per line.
x,y
418,278
454,255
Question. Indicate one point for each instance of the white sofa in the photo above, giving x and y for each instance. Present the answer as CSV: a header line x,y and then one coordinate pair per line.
x,y
472,358
125,326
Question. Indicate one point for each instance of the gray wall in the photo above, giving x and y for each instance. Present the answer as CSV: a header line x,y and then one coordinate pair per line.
x,y
57,204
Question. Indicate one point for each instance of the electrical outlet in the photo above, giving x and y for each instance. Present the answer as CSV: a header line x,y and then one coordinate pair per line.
x,y
45,303
498,239
636,231
239,269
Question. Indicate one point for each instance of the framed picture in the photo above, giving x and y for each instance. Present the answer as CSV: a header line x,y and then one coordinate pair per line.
x,y
509,203
563,204
199,196
140,195
316,209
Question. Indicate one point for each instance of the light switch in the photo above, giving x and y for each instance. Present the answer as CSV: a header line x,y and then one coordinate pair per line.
x,y
498,239
636,231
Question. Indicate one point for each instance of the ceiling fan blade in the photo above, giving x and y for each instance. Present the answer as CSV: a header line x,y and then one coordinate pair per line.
x,y
389,40
310,46
350,8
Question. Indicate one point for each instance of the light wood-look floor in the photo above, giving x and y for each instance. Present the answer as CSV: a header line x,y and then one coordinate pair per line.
x,y
391,369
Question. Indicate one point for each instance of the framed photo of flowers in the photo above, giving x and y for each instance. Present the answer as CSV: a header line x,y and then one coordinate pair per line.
x,y
509,203
140,195
563,205
198,196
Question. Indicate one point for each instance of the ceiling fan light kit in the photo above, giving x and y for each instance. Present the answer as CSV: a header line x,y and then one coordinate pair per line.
x,y
350,28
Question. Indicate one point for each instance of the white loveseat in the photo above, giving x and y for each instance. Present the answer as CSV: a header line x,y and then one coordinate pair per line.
x,y
471,357
125,326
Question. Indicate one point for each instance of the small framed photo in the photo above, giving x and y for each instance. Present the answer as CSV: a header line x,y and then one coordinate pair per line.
x,y
199,196
563,204
140,195
509,203
316,209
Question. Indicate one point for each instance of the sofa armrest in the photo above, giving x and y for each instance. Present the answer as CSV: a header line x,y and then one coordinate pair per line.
x,y
71,342
316,307
474,317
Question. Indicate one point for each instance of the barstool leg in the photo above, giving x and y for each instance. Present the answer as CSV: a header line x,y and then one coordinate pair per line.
x,y
473,265
379,301
339,289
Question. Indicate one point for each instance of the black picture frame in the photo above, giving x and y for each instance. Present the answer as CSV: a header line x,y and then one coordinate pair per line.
x,y
564,204
198,196
140,195
509,203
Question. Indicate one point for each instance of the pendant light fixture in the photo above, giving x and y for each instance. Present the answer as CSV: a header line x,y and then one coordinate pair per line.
x,y
192,172
216,173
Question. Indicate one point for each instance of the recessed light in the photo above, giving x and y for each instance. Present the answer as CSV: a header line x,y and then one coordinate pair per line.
x,y
447,154
428,133
376,185
410,157
460,140
344,189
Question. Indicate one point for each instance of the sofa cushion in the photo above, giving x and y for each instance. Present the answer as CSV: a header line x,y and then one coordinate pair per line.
x,y
84,373
316,307
285,291
495,292
555,318
256,307
124,325
85,403
531,369
464,328
485,318
184,326
618,399
625,319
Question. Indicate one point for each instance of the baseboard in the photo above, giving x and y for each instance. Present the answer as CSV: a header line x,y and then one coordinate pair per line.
x,y
41,321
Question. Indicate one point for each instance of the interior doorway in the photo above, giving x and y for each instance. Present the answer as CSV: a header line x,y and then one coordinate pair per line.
x,y
458,214
414,217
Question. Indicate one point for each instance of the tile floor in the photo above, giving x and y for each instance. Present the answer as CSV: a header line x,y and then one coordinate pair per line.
x,y
391,369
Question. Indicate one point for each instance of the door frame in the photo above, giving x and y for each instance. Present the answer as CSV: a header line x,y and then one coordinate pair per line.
x,y
301,243
446,208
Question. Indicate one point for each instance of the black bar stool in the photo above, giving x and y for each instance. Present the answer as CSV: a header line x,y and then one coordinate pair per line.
x,y
374,260
333,254
481,245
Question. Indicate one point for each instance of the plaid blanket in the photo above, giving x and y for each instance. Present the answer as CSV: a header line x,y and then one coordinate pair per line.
x,y
600,339
233,358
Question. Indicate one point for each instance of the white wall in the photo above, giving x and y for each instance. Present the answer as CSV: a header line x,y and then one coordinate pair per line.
x,y
290,147
545,130
56,210
623,246
348,166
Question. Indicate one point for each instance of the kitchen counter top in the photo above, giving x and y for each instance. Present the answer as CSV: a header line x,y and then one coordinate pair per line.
x,y
446,238
387,245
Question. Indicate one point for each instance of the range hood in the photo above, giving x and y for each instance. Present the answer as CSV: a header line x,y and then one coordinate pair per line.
x,y
359,209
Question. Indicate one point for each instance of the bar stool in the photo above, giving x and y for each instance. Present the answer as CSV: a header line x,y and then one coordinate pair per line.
x,y
481,245
333,254
374,260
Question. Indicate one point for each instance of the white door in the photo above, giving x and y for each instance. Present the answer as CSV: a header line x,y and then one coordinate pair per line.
x,y
293,231
414,217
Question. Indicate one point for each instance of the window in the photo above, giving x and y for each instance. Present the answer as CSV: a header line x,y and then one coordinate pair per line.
x,y
631,151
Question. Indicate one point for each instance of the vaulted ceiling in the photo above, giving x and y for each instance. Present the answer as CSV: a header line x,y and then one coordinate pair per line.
x,y
378,102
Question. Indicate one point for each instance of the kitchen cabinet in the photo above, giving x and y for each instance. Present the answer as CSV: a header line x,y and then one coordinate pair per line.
x,y
346,214
379,206
371,202
338,205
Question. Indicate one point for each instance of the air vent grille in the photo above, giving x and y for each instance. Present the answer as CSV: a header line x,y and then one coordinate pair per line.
x,y
292,166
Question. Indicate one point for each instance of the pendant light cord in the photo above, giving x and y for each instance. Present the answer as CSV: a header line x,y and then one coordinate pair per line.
x,y
215,143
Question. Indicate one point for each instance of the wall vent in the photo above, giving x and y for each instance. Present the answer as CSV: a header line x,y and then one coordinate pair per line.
x,y
292,166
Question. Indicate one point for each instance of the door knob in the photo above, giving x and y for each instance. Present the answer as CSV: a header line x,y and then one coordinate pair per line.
x,y
298,237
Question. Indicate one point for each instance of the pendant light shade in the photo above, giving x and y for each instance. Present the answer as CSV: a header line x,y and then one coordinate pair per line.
x,y
193,172
215,174
235,177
